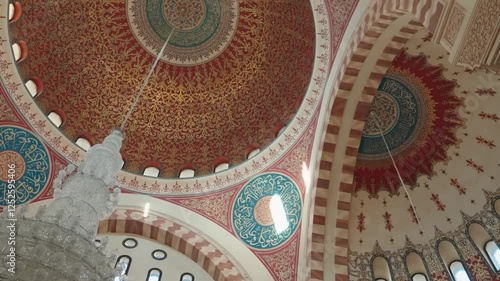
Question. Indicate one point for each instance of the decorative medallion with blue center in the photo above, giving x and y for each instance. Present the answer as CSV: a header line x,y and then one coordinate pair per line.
x,y
201,29
398,108
267,211
31,160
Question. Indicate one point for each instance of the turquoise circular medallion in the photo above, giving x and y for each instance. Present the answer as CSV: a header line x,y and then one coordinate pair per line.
x,y
398,113
25,163
267,211
199,30
194,21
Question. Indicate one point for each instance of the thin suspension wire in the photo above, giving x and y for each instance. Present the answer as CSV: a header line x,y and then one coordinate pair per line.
x,y
145,82
403,184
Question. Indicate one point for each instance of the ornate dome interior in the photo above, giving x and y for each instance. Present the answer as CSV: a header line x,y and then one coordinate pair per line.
x,y
232,75
358,140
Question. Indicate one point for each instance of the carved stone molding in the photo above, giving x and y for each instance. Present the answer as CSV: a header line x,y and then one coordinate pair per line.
x,y
455,21
480,34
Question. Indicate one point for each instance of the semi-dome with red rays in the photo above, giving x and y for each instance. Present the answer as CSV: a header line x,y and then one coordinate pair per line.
x,y
233,70
416,111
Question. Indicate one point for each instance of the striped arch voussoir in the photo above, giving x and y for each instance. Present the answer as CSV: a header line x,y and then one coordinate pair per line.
x,y
176,236
378,18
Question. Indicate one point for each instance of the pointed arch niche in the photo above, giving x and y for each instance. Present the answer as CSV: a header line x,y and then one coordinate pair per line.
x,y
416,267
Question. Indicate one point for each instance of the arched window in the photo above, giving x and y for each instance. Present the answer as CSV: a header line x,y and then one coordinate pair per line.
x,y
83,143
34,86
159,255
452,259
497,207
124,262
279,129
221,167
457,271
187,277
151,172
56,118
14,11
493,253
381,269
253,153
20,51
221,164
416,266
186,173
419,277
154,274
31,86
124,158
16,50
481,237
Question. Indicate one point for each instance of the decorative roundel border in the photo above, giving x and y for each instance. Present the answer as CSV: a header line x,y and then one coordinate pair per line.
x,y
251,216
219,25
32,161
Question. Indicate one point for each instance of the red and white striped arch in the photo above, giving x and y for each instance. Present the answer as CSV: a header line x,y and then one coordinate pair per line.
x,y
328,256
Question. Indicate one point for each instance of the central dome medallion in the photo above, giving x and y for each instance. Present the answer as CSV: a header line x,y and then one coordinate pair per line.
x,y
201,29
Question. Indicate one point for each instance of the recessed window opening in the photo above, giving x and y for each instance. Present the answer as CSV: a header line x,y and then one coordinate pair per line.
x,y
16,49
151,172
221,164
493,252
154,275
34,86
12,10
381,269
187,277
221,167
15,10
186,173
55,118
419,277
83,143
416,266
281,130
124,262
458,271
32,89
20,51
159,255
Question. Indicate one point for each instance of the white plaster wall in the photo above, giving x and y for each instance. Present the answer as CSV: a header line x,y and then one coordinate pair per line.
x,y
172,267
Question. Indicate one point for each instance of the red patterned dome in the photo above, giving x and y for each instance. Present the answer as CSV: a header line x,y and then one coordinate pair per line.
x,y
231,73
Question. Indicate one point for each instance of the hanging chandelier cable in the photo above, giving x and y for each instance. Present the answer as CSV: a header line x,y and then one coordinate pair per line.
x,y
125,119
372,114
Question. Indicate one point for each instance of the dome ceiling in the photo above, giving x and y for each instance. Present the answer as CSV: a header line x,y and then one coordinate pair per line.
x,y
231,73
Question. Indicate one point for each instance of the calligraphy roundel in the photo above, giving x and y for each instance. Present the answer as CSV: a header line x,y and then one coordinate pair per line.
x,y
24,162
197,30
267,211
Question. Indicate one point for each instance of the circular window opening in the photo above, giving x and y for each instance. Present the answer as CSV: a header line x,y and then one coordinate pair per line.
x,y
130,243
159,255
